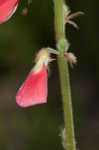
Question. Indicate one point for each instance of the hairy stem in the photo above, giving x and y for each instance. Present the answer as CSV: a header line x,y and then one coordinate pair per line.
x,y
68,136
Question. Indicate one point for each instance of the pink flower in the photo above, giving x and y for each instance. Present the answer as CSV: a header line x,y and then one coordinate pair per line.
x,y
7,9
34,89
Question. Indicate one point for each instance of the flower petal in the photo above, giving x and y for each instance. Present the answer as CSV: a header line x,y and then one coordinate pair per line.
x,y
7,9
34,89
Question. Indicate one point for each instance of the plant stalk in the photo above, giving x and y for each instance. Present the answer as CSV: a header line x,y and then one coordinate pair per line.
x,y
68,136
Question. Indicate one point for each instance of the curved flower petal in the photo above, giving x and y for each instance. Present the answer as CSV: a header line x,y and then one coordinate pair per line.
x,y
7,9
34,89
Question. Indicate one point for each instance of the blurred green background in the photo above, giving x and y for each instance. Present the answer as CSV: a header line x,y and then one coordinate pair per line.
x,y
21,37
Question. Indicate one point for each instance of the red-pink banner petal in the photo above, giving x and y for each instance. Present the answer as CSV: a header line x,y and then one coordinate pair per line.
x,y
7,9
34,89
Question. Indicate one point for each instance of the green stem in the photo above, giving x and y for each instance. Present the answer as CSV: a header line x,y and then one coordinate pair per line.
x,y
68,137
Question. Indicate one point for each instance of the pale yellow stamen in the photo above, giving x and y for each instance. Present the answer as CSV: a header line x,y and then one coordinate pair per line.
x,y
42,58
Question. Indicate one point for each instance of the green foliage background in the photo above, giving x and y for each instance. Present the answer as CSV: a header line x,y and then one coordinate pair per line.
x,y
21,37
